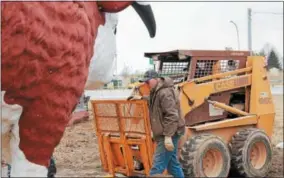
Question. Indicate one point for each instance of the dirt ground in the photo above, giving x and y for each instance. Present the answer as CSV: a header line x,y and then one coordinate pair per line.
x,y
77,155
277,160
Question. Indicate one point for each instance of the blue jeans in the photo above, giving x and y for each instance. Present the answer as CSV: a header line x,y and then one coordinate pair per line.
x,y
9,170
164,159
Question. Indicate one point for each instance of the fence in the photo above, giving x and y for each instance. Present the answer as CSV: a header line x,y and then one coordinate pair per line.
x,y
109,93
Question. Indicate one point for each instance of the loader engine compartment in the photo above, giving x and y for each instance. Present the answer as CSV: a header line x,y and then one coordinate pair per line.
x,y
237,100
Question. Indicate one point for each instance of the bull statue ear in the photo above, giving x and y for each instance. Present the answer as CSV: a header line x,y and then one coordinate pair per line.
x,y
143,9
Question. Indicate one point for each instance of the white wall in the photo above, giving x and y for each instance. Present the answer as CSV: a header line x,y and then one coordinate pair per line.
x,y
124,93
109,94
277,90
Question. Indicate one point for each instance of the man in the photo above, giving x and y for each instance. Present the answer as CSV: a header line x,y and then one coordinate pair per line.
x,y
166,123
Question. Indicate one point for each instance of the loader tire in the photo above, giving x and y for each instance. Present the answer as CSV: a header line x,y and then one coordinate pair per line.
x,y
205,156
251,153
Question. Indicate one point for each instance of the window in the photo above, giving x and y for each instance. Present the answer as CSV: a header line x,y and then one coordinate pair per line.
x,y
176,70
207,67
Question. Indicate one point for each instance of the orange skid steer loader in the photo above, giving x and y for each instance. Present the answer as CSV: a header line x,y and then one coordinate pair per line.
x,y
228,110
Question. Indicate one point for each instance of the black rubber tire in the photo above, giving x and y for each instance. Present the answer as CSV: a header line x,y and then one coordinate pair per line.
x,y
241,145
195,148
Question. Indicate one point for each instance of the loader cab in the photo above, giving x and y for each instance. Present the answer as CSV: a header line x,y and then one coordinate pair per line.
x,y
184,65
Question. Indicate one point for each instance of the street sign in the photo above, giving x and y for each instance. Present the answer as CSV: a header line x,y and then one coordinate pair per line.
x,y
151,61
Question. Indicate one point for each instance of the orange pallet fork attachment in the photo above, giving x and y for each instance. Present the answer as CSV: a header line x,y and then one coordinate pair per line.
x,y
124,135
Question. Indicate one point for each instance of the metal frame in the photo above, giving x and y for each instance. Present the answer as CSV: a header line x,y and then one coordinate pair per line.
x,y
112,141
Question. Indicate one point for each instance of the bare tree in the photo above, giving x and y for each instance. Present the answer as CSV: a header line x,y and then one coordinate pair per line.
x,y
126,71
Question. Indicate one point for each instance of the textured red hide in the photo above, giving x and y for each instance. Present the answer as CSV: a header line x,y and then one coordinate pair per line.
x,y
111,6
46,51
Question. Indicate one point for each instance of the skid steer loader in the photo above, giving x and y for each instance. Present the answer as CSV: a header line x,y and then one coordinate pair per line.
x,y
228,110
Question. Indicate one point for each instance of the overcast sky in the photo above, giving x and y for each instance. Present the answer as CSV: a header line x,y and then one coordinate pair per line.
x,y
197,25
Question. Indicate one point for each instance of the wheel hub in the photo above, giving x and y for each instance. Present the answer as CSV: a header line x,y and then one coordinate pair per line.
x,y
258,155
212,163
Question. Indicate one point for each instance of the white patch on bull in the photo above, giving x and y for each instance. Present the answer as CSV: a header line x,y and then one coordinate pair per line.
x,y
102,64
11,152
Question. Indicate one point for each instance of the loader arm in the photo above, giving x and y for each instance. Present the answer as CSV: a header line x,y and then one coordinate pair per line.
x,y
254,76
196,92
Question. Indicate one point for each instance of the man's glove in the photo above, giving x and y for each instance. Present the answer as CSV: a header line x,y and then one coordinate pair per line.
x,y
135,97
169,144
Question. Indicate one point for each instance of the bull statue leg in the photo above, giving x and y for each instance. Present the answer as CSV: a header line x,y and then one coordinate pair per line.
x,y
12,154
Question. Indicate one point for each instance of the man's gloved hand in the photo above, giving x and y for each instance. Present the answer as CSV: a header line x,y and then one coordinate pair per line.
x,y
135,97
169,144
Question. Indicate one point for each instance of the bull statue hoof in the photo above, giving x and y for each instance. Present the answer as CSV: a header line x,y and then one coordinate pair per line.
x,y
52,168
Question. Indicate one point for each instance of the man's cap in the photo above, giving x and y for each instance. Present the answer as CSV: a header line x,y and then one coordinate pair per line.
x,y
150,74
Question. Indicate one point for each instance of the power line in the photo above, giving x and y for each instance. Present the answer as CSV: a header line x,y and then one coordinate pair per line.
x,y
250,12
274,13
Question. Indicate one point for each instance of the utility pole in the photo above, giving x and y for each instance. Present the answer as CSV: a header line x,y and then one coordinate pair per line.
x,y
249,25
115,58
249,31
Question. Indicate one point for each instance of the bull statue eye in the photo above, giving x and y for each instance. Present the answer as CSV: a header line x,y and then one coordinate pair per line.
x,y
100,8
